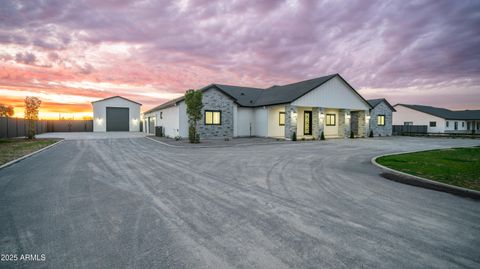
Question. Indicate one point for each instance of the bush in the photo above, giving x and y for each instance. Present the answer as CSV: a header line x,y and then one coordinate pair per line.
x,y
191,134
294,136
197,138
322,136
370,134
352,135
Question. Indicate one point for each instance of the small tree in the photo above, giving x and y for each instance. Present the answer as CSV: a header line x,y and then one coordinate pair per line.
x,y
193,100
6,111
370,134
32,104
322,136
352,135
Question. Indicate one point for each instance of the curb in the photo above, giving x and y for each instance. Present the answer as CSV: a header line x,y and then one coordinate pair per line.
x,y
398,176
29,155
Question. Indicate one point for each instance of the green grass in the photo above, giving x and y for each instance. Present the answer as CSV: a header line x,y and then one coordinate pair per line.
x,y
456,166
11,149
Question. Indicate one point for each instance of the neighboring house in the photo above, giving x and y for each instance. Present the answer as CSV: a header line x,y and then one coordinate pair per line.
x,y
327,104
381,117
116,113
438,120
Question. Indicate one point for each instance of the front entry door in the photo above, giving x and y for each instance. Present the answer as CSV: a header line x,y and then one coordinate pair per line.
x,y
307,123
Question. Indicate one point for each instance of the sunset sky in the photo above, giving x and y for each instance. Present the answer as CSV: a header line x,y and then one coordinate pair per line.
x,y
70,53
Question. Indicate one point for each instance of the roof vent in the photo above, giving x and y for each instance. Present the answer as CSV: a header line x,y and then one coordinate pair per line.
x,y
251,101
242,93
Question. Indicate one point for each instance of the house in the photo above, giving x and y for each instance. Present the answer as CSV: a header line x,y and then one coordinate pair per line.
x,y
326,104
437,120
116,113
381,117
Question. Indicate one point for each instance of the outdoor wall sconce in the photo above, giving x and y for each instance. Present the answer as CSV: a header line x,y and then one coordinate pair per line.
x,y
99,121
135,121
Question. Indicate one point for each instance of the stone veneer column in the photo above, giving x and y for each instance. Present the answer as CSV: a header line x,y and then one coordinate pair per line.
x,y
315,122
341,122
348,120
290,121
367,122
361,123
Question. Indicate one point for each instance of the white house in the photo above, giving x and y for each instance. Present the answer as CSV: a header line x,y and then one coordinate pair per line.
x,y
116,113
437,120
326,104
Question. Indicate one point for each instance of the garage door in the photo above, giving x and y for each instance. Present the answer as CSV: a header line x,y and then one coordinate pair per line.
x,y
117,119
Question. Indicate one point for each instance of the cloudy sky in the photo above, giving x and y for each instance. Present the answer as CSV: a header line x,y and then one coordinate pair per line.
x,y
70,53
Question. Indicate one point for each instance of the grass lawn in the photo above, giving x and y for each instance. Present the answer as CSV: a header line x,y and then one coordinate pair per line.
x,y
456,166
11,149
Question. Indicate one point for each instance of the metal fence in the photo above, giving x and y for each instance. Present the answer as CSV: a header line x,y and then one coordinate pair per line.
x,y
18,127
409,129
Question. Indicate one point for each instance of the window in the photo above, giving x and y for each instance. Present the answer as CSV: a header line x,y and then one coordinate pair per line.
x,y
408,123
381,120
433,124
446,123
281,118
161,115
463,124
330,120
213,117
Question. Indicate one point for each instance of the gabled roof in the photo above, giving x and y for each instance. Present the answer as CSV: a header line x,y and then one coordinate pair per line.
x,y
445,113
375,102
117,96
255,97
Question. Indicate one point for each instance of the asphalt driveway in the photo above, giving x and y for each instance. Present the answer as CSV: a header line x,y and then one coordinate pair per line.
x,y
134,203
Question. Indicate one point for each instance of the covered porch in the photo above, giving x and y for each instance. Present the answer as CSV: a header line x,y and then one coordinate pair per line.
x,y
310,122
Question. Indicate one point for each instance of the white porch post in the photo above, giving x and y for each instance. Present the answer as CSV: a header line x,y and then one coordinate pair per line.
x,y
367,123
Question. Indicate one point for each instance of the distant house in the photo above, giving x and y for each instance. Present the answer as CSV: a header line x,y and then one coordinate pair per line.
x,y
326,104
381,117
438,120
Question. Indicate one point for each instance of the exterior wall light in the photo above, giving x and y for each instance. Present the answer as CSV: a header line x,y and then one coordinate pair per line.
x,y
135,121
99,121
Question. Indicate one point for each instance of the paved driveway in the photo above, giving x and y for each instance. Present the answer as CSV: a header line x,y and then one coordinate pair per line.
x,y
117,203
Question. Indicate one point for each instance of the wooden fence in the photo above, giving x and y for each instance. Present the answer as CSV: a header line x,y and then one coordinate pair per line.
x,y
18,127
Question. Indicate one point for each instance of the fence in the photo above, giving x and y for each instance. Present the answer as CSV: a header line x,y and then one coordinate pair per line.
x,y
17,127
409,129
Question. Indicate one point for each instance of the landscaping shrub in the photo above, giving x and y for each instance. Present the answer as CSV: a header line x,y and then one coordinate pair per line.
x,y
322,136
370,134
352,135
294,136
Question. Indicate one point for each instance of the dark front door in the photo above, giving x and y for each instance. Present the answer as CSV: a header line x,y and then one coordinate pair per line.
x,y
307,123
117,119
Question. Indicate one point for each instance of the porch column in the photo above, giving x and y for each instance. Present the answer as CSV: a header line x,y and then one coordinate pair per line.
x,y
321,120
348,121
361,123
315,123
342,123
367,123
290,121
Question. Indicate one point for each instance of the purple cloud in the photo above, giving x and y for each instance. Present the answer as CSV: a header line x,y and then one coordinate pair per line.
x,y
383,47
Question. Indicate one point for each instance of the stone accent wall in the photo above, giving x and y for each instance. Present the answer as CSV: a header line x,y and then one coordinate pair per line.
x,y
341,123
290,121
213,99
321,122
315,123
361,124
381,109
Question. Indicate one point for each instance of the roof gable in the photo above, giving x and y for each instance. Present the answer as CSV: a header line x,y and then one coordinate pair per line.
x,y
117,96
375,102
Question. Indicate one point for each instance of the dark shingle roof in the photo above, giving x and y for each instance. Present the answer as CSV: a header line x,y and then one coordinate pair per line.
x,y
375,102
254,97
446,113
